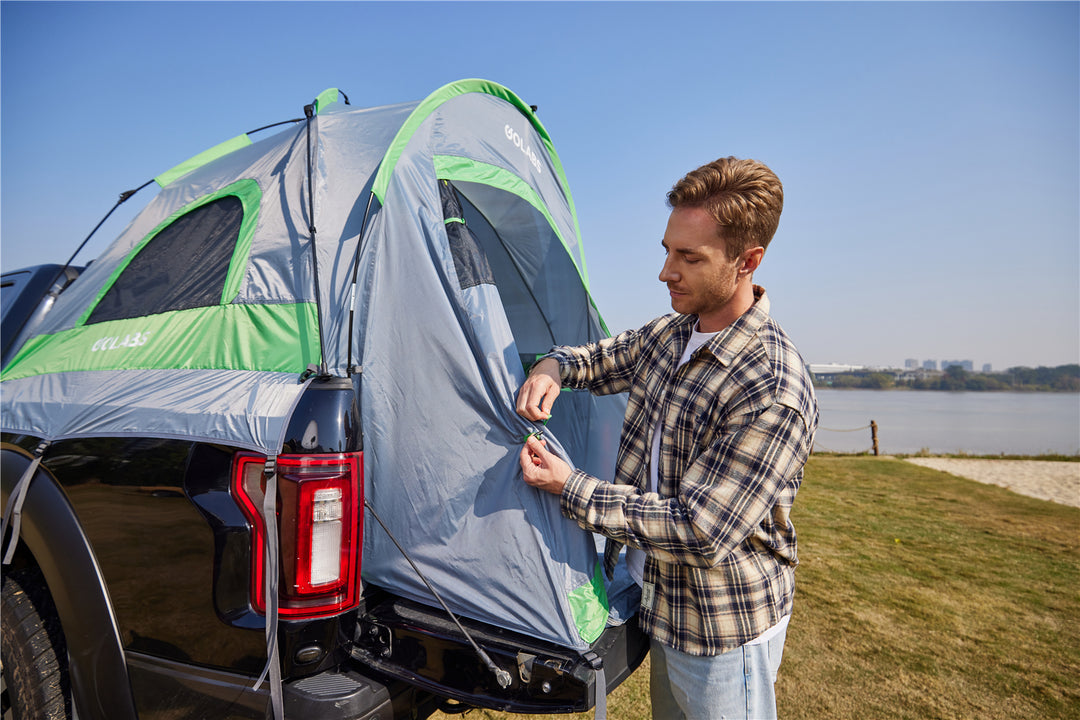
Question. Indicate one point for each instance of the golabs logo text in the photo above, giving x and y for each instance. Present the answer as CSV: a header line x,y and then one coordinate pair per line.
x,y
519,143
116,342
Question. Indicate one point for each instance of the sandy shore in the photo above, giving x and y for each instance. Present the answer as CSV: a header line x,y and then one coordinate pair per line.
x,y
1055,481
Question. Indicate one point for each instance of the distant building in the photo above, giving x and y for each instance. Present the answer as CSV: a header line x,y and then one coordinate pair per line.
x,y
827,372
911,364
963,364
988,368
909,375
929,364
832,368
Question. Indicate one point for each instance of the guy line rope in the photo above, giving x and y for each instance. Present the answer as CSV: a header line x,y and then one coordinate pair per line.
x,y
873,438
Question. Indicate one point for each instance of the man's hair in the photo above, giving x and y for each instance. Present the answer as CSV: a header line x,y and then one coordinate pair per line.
x,y
744,197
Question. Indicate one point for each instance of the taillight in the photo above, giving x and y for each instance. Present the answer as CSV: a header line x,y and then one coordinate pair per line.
x,y
320,529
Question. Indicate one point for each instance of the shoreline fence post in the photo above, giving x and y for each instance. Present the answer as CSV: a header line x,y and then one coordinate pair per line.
x,y
873,436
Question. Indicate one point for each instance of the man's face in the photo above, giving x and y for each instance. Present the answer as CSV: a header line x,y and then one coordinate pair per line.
x,y
697,271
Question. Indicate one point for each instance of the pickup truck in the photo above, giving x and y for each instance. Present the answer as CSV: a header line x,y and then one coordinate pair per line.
x,y
133,587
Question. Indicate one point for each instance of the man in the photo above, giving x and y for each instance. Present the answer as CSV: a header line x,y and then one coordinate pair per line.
x,y
720,421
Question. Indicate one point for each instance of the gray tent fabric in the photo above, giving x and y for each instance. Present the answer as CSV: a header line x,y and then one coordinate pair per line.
x,y
248,409
163,375
441,326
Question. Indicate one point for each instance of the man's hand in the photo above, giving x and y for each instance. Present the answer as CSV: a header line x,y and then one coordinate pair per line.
x,y
539,391
542,469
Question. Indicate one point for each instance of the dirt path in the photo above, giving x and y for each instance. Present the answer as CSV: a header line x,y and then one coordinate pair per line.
x,y
1055,481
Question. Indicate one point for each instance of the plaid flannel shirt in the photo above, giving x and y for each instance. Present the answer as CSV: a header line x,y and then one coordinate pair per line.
x,y
738,421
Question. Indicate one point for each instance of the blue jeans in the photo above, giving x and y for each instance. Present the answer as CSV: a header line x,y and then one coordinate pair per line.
x,y
737,685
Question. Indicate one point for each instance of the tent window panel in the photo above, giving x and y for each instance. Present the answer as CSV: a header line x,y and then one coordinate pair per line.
x,y
470,262
184,266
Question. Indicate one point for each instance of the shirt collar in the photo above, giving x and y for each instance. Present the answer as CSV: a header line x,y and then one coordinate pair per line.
x,y
730,341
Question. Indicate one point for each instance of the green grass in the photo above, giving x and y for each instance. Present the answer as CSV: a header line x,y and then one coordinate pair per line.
x,y
920,596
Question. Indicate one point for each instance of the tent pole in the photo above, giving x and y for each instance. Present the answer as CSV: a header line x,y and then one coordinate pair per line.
x,y
124,196
355,272
501,676
309,113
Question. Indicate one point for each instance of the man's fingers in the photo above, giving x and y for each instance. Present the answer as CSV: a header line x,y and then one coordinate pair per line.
x,y
526,457
539,391
533,450
546,402
527,400
542,469
532,467
536,398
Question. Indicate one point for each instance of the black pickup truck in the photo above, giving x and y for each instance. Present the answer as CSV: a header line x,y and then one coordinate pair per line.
x,y
134,589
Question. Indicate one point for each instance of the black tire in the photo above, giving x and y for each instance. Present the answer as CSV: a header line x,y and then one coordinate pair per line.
x,y
35,678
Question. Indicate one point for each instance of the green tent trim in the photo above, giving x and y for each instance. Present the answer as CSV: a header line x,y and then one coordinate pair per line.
x,y
272,338
590,607
206,156
326,98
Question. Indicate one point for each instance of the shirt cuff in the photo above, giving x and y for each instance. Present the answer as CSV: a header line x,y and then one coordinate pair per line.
x,y
576,494
559,355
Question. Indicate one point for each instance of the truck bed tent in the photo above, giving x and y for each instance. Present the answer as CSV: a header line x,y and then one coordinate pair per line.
x,y
426,250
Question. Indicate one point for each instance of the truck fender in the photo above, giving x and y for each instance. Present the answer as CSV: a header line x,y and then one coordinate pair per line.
x,y
51,533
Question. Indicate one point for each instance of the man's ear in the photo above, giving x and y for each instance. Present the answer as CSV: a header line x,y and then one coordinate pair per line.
x,y
751,259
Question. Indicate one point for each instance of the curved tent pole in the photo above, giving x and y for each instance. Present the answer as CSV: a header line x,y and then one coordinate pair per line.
x,y
274,125
124,197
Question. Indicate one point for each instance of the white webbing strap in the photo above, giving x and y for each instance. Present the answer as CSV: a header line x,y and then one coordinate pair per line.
x,y
13,512
601,695
271,572
597,664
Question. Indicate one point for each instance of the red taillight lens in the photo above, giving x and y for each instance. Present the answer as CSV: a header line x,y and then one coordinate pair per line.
x,y
320,529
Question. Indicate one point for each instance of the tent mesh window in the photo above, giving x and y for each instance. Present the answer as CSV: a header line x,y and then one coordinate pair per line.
x,y
183,266
470,262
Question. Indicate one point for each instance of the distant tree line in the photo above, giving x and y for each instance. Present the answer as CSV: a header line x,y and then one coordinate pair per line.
x,y
1063,378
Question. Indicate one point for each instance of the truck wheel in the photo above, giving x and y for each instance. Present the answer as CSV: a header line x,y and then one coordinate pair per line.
x,y
31,645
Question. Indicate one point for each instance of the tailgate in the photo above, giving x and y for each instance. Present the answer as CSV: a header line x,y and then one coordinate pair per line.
x,y
423,646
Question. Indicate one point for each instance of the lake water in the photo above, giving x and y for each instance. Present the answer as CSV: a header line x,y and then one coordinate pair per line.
x,y
980,423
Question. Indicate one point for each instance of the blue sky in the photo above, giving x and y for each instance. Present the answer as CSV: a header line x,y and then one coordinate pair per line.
x,y
930,152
